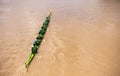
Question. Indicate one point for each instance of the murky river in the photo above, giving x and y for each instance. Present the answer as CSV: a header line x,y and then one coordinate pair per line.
x,y
83,38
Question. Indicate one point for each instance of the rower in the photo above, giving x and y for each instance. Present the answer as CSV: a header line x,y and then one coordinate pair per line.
x,y
37,42
44,27
34,49
42,31
40,37
47,19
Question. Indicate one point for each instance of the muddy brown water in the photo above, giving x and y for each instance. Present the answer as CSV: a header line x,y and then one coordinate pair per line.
x,y
83,38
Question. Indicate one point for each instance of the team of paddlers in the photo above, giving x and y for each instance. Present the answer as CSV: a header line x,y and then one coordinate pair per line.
x,y
38,40
40,36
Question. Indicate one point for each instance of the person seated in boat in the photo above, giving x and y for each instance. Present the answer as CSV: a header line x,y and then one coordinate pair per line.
x,y
34,49
44,27
40,37
47,20
37,42
42,31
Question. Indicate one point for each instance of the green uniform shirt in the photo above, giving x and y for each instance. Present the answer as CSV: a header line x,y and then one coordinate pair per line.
x,y
37,42
34,49
40,36
42,31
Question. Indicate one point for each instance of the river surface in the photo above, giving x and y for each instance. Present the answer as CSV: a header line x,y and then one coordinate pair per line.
x,y
83,38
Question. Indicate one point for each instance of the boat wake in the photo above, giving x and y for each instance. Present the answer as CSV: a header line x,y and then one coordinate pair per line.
x,y
20,71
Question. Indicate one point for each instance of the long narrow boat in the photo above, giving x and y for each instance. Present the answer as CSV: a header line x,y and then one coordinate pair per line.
x,y
38,40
